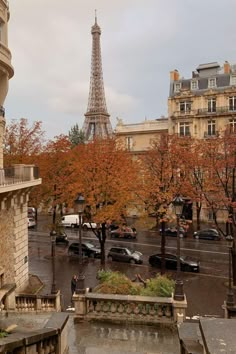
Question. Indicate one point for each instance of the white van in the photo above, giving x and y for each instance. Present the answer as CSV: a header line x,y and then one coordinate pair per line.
x,y
73,221
70,220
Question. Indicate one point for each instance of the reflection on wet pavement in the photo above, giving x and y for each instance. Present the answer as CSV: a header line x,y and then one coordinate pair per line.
x,y
105,338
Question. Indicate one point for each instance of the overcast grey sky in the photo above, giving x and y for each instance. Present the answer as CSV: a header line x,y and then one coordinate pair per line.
x,y
141,42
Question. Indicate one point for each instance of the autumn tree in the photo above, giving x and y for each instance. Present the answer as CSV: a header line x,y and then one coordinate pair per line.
x,y
22,143
56,172
105,175
163,176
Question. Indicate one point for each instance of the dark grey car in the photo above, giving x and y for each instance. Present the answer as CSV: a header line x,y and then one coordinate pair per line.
x,y
125,254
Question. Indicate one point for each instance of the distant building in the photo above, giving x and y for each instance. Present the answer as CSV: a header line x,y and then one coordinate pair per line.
x,y
138,137
205,104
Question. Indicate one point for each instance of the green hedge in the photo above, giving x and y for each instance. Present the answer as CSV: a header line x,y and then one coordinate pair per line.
x,y
118,283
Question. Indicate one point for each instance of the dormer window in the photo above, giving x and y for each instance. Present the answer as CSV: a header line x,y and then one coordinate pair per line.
x,y
233,80
212,82
194,85
177,87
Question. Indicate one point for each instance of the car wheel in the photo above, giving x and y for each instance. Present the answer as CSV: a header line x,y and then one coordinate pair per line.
x,y
70,253
92,255
110,258
85,227
132,261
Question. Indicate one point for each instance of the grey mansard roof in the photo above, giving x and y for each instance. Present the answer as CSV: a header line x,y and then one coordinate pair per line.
x,y
202,75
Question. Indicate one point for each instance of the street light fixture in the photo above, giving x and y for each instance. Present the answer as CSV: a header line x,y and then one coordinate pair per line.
x,y
53,235
178,203
230,294
80,201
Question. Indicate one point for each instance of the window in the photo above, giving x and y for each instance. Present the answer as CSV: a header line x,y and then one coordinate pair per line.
x,y
185,107
232,103
177,87
194,84
211,128
184,129
211,107
233,80
232,125
212,82
129,142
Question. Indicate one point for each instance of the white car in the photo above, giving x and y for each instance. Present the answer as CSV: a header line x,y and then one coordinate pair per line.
x,y
31,222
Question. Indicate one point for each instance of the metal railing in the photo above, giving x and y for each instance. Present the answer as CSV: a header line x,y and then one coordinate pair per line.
x,y
18,174
206,111
212,135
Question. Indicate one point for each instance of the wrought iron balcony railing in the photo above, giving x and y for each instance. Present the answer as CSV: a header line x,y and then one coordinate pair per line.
x,y
211,135
18,174
206,111
217,110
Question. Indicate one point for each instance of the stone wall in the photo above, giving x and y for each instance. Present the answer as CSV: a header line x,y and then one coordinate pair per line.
x,y
6,247
14,238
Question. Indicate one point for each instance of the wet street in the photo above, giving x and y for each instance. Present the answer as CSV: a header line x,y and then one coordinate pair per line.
x,y
205,291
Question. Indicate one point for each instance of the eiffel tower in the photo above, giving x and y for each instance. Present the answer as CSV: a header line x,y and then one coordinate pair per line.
x,y
97,122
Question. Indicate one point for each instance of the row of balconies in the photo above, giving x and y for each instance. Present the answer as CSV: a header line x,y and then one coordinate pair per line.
x,y
206,111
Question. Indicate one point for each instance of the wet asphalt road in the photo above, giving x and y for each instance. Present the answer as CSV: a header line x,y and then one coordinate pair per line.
x,y
205,291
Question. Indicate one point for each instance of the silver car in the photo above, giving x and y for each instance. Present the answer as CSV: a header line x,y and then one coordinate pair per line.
x,y
125,254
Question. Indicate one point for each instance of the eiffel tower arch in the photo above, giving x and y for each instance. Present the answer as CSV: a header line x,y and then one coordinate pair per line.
x,y
97,119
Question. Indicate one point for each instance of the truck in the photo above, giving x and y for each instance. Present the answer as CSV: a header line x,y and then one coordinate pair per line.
x,y
72,221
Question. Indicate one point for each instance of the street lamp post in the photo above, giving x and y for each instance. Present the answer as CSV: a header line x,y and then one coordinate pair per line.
x,y
80,283
53,241
179,290
230,293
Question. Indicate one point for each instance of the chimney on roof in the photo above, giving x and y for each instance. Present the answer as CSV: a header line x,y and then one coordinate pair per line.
x,y
226,67
174,75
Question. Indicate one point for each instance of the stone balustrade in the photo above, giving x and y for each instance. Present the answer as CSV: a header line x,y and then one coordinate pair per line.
x,y
48,336
37,303
136,309
18,173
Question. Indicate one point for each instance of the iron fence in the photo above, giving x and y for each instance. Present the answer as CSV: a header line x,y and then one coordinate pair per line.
x,y
18,174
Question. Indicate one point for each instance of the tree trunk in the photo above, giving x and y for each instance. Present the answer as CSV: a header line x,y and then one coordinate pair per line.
x,y
234,266
102,240
198,208
163,246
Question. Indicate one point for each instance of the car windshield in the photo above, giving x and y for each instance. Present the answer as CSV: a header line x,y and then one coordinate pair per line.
x,y
130,251
89,245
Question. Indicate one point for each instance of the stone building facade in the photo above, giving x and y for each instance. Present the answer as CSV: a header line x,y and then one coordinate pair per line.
x,y
16,183
204,105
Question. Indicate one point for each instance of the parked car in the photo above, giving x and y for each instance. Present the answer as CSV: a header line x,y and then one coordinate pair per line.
x,y
31,222
207,234
62,239
88,249
127,233
125,254
186,263
31,212
172,231
72,221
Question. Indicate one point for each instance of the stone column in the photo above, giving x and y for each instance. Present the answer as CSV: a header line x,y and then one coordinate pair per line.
x,y
80,307
179,310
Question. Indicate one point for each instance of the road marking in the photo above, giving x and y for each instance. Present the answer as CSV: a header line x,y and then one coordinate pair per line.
x,y
136,243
